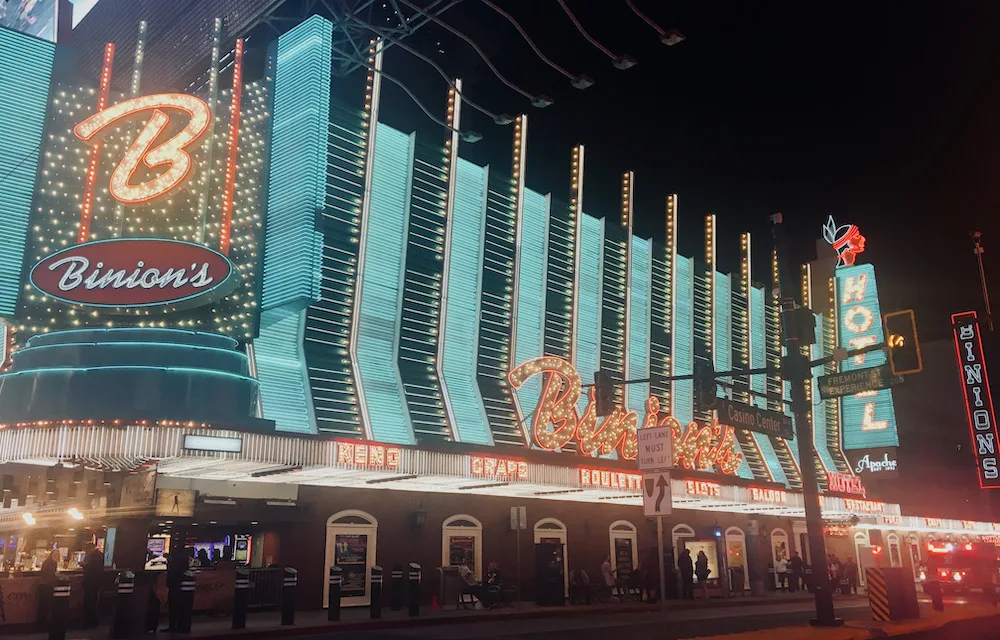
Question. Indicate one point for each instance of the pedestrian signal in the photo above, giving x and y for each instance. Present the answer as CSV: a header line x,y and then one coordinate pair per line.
x,y
903,345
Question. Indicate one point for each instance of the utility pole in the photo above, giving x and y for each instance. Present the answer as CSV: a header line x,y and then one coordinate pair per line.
x,y
796,369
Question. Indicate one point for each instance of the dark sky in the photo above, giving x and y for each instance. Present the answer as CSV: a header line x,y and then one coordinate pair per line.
x,y
883,114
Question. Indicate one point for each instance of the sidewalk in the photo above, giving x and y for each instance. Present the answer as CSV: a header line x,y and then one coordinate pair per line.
x,y
268,624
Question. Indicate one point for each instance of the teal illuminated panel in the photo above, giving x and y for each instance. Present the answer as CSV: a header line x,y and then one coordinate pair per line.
x,y
868,420
528,342
638,325
560,281
684,341
659,347
462,290
24,93
381,289
588,327
301,116
284,384
820,435
614,296
722,343
758,382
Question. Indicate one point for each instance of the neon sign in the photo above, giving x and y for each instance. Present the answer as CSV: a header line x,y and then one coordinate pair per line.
x,y
869,418
557,422
864,506
498,468
846,240
172,152
699,488
368,456
603,479
978,399
773,496
844,483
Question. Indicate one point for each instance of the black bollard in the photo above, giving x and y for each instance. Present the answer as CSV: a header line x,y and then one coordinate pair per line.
x,y
933,589
414,596
59,609
123,605
288,588
396,589
187,602
241,598
333,607
375,609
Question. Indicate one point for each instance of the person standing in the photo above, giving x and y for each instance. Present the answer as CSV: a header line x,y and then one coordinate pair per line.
x,y
47,580
686,568
608,576
701,570
177,565
93,571
781,568
851,574
796,568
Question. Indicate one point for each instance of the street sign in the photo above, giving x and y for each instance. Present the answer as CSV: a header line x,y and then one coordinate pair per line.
x,y
656,452
744,416
656,498
857,381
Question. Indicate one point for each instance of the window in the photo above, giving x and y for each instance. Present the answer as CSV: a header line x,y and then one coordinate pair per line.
x,y
679,533
736,552
895,555
350,545
462,543
624,547
779,549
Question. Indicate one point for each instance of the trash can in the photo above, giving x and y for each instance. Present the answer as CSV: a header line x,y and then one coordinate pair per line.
x,y
736,580
451,587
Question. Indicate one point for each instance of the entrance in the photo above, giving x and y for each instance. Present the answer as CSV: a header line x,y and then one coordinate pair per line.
x,y
350,544
624,548
552,530
462,543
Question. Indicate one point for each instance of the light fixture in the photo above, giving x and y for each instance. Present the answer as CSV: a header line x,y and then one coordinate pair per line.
x,y
74,513
418,518
28,519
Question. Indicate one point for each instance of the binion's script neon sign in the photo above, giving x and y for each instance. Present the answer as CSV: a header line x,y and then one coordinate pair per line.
x,y
557,422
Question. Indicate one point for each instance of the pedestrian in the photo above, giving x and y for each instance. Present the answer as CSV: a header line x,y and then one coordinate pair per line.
x,y
701,570
93,571
608,577
686,568
851,575
833,567
177,566
652,574
781,568
796,568
47,580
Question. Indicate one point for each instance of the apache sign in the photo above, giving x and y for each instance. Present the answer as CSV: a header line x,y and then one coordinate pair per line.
x,y
857,381
129,273
744,416
874,464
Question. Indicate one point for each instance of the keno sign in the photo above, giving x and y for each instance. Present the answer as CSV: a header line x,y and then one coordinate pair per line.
x,y
129,273
978,401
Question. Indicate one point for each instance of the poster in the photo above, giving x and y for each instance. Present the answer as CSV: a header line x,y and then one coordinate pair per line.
x,y
351,555
138,490
175,502
462,550
623,556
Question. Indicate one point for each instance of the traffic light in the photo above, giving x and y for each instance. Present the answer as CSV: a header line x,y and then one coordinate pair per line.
x,y
604,393
704,385
901,339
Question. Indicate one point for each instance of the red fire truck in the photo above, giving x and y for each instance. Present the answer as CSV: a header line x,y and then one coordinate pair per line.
x,y
961,566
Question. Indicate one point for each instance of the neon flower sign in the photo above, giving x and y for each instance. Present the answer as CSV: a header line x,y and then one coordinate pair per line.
x,y
557,422
846,240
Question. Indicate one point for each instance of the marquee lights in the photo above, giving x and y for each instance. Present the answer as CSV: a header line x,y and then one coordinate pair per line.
x,y
94,154
772,496
232,150
498,468
978,399
844,483
368,456
864,506
605,479
173,152
706,489
556,422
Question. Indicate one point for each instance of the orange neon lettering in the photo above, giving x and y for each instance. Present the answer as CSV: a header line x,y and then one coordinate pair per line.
x,y
172,153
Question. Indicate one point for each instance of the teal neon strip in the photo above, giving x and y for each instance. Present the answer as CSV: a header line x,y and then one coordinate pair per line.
x,y
684,341
284,383
189,370
293,252
24,92
531,293
723,343
381,289
757,383
462,290
638,325
588,326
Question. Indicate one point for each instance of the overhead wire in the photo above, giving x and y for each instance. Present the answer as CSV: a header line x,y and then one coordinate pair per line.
x,y
583,32
645,18
528,39
472,44
402,86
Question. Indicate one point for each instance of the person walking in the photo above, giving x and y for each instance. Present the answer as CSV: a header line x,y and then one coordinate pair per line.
x,y
177,565
608,577
47,580
701,570
851,575
796,569
686,568
93,571
781,568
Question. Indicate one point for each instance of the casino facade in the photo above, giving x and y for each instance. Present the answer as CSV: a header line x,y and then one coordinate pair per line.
x,y
251,316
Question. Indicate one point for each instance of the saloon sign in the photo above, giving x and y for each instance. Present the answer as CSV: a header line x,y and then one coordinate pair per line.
x,y
978,400
128,273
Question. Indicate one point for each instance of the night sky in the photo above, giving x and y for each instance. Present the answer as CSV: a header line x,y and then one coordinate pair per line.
x,y
884,116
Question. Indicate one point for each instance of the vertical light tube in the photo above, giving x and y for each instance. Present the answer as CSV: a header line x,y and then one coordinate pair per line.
x,y
136,87
628,187
517,171
576,218
745,284
710,285
232,150
94,154
213,99
671,257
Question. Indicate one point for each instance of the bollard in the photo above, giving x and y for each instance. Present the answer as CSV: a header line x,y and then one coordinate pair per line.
x,y
288,588
59,609
333,606
375,609
396,588
414,596
123,605
933,589
241,598
187,602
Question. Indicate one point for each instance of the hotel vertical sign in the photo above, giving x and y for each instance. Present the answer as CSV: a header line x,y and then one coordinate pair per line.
x,y
978,401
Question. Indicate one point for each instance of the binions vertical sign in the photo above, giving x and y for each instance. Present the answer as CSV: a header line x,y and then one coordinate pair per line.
x,y
978,400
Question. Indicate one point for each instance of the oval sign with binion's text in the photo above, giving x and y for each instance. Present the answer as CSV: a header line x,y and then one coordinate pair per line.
x,y
129,273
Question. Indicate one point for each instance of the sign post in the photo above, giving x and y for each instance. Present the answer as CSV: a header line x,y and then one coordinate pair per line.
x,y
655,459
518,521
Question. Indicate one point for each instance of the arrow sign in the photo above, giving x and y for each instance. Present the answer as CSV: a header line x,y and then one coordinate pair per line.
x,y
656,499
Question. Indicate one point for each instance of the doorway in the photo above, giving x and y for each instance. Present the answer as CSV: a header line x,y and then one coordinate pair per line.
x,y
552,530
350,544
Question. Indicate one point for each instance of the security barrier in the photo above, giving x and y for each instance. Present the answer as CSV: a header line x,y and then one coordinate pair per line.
x,y
892,594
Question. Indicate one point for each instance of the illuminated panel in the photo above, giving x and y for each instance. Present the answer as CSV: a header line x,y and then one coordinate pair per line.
x,y
683,355
284,384
301,117
868,419
561,269
777,391
94,153
978,398
758,382
233,149
704,309
531,293
832,405
462,290
723,347
662,300
638,339
24,91
381,289
588,325
820,420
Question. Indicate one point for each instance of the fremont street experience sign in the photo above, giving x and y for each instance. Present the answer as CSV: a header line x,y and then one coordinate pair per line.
x,y
857,381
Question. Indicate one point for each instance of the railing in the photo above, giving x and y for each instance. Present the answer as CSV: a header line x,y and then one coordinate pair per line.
x,y
265,587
